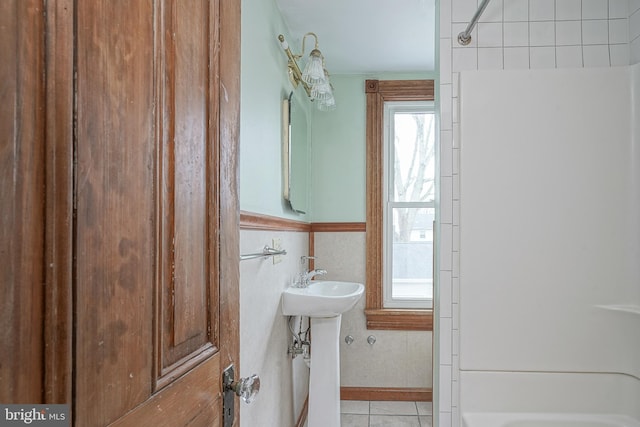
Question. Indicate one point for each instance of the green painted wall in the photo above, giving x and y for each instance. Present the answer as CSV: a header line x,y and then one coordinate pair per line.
x,y
338,155
264,85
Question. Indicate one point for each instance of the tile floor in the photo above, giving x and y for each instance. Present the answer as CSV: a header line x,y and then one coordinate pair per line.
x,y
358,413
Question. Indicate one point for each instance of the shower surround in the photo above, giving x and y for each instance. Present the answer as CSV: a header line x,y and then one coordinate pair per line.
x,y
579,33
549,244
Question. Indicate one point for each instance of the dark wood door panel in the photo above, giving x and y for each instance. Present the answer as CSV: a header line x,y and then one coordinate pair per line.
x,y
22,200
191,401
114,251
188,204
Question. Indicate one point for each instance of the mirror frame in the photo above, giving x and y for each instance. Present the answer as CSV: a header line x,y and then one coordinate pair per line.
x,y
287,150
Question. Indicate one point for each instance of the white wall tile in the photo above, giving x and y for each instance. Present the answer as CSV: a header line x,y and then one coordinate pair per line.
x,y
463,10
455,257
456,141
595,9
516,34
634,54
542,10
445,418
446,153
568,10
569,56
618,31
516,58
542,33
634,25
568,33
465,59
489,34
493,12
489,58
542,57
446,200
445,388
516,10
445,60
445,17
456,224
619,54
446,118
618,9
455,307
445,247
445,340
455,393
595,32
456,230
456,290
455,343
455,89
455,108
596,56
455,154
445,294
456,187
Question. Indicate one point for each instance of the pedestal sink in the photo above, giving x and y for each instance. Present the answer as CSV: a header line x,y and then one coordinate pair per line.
x,y
324,302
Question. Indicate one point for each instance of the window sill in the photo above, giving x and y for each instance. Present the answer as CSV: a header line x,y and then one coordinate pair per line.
x,y
399,319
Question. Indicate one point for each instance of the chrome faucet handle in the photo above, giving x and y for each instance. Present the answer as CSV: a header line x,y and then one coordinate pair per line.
x,y
304,258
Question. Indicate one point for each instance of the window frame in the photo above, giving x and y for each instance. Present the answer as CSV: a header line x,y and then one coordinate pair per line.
x,y
390,108
377,93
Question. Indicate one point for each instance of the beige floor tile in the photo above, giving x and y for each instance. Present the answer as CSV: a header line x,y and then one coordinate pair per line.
x,y
393,408
394,421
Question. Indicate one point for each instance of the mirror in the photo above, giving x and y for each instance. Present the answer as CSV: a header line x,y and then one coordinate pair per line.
x,y
296,150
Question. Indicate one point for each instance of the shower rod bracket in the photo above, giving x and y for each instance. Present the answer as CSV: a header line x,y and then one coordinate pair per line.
x,y
464,38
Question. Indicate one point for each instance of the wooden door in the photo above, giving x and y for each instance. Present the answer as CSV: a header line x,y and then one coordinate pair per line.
x,y
139,315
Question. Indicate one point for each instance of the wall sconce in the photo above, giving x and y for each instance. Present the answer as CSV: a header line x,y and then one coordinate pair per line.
x,y
314,78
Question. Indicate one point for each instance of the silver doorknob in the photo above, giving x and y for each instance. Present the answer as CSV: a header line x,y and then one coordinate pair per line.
x,y
246,388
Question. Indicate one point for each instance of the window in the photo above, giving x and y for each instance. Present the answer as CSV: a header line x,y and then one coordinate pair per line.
x,y
409,204
400,210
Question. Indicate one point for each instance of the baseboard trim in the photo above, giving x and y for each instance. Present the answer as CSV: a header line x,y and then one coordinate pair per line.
x,y
387,393
303,413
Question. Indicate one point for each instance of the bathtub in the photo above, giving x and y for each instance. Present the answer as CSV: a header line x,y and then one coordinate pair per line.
x,y
523,419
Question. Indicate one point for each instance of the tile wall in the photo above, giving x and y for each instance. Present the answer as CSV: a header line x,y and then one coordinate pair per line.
x,y
511,34
634,31
397,358
264,333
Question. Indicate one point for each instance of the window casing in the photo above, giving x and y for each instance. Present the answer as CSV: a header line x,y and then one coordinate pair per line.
x,y
377,93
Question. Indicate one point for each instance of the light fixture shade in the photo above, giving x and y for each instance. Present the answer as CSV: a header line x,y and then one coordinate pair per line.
x,y
314,70
327,104
322,91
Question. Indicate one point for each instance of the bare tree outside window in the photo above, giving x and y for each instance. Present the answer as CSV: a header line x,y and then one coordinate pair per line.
x,y
414,172
411,196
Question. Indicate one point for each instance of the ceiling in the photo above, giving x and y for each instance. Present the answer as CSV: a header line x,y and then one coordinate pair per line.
x,y
365,36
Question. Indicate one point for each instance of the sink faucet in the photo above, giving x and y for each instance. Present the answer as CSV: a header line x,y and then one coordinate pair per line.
x,y
304,279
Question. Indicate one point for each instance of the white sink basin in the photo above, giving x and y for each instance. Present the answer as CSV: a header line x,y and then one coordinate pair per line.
x,y
322,298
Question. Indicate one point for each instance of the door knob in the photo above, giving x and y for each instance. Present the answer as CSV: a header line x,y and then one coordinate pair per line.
x,y
246,388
